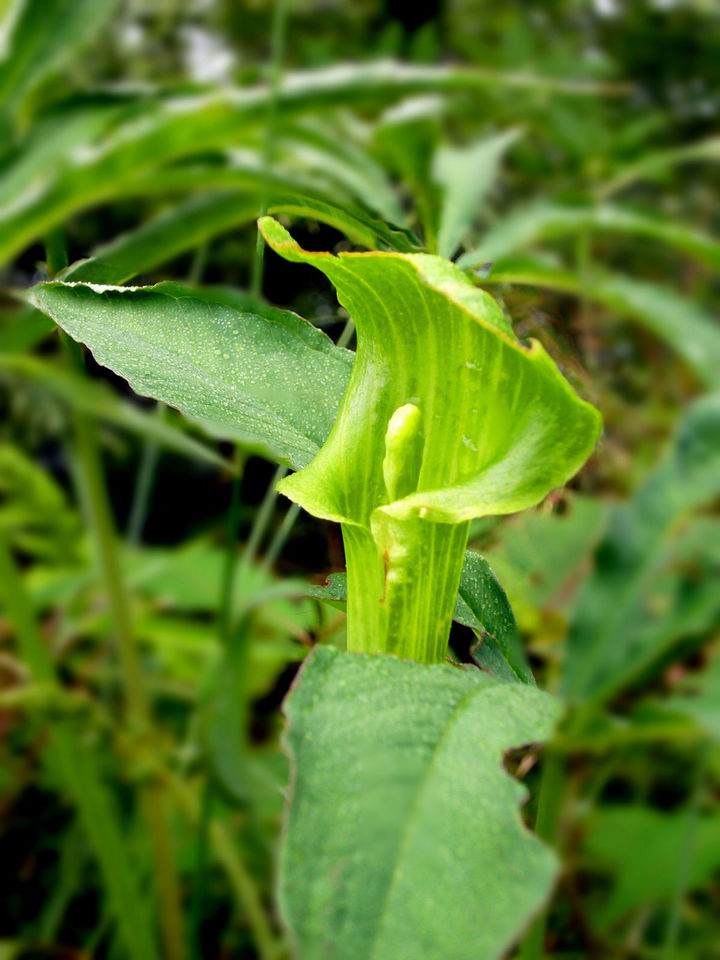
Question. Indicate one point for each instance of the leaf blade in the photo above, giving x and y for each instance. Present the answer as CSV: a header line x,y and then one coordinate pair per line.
x,y
367,885
272,381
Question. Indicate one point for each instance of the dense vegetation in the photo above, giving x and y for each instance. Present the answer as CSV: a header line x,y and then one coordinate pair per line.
x,y
158,594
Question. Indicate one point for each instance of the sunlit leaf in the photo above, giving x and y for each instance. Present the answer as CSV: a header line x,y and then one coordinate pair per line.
x,y
465,175
495,428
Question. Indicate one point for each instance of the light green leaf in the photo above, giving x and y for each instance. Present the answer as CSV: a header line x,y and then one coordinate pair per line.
x,y
39,49
272,381
611,636
429,857
164,129
548,221
682,324
652,165
500,428
465,175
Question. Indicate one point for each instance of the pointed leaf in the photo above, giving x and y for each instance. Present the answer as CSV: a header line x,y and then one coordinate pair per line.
x,y
428,856
483,606
272,381
466,174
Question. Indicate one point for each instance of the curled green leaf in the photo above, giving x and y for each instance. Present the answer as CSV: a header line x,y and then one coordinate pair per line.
x,y
500,428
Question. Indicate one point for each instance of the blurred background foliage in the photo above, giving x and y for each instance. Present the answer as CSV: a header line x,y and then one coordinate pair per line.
x,y
154,588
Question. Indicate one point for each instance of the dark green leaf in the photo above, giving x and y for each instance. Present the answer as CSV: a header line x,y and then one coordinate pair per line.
x,y
272,381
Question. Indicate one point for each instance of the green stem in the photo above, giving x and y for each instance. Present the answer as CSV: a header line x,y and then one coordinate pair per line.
x,y
227,589
277,51
227,586
200,869
143,488
55,252
262,519
401,597
347,333
280,539
100,522
552,789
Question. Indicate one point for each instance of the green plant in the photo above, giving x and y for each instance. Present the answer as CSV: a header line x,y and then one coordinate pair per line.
x,y
148,626
445,417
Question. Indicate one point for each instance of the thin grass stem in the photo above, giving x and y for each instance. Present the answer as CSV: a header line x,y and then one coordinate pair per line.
x,y
277,53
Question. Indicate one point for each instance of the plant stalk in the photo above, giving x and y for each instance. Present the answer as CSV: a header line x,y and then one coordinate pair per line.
x,y
391,607
143,488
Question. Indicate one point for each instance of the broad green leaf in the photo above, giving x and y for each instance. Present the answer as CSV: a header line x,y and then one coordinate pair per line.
x,y
36,50
188,224
404,838
442,389
96,400
611,636
465,175
682,324
547,221
273,381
